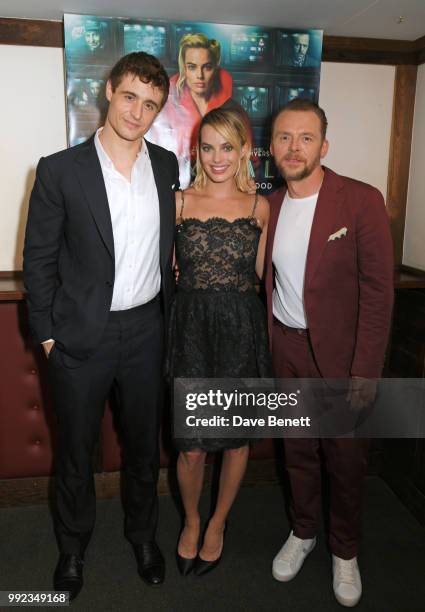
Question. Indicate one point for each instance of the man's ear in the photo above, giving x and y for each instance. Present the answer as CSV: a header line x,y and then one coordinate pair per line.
x,y
108,90
324,149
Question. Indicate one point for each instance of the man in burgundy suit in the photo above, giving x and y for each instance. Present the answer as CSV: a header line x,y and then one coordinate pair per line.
x,y
329,283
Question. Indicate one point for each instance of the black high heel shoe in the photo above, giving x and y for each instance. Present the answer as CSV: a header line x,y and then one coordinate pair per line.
x,y
184,564
201,566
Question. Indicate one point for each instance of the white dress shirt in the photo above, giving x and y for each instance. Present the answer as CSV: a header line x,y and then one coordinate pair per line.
x,y
289,259
134,209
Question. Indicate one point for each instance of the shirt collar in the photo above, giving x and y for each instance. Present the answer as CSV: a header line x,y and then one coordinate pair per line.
x,y
104,158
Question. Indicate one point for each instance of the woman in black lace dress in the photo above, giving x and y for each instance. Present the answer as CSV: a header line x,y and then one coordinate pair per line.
x,y
218,323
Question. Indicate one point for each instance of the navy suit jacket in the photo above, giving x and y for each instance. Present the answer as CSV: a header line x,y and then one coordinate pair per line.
x,y
69,262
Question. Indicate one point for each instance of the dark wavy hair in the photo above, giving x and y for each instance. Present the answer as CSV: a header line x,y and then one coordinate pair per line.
x,y
147,67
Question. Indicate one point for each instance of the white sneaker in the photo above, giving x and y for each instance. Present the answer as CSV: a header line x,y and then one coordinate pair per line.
x,y
288,561
346,581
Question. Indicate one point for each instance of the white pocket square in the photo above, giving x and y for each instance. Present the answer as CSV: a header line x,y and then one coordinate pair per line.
x,y
339,234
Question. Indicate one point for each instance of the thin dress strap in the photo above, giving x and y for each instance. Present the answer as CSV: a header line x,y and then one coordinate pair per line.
x,y
255,205
182,206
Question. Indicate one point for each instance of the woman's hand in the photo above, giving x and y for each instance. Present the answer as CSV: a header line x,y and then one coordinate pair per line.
x,y
176,272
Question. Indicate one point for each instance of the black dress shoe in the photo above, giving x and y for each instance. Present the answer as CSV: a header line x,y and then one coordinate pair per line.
x,y
68,574
185,564
150,563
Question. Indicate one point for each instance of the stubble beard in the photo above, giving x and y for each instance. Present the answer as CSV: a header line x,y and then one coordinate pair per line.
x,y
304,173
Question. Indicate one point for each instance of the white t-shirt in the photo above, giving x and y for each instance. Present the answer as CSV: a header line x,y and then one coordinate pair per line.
x,y
289,258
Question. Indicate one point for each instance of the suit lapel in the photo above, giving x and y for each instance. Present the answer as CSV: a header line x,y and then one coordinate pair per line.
x,y
165,210
89,173
325,216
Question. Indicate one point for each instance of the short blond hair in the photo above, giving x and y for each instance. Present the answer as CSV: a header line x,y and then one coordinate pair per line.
x,y
230,124
196,41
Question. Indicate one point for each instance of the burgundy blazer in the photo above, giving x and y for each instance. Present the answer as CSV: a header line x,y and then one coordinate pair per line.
x,y
348,286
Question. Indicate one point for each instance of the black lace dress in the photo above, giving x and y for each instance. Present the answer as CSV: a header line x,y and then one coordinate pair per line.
x,y
218,326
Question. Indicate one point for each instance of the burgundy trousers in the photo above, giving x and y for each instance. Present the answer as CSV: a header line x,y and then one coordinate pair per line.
x,y
345,459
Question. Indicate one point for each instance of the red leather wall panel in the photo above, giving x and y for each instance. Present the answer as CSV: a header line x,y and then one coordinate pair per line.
x,y
27,422
27,430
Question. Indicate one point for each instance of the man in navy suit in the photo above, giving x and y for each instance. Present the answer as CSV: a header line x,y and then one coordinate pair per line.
x,y
97,270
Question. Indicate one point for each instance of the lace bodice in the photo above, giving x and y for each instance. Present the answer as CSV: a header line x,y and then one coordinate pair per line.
x,y
217,254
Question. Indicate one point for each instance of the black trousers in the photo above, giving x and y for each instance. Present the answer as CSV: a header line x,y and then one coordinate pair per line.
x,y
128,358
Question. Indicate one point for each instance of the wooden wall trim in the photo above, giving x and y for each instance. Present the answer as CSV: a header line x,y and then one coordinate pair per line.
x,y
412,271
11,275
409,278
40,33
419,44
368,50
11,287
32,32
400,146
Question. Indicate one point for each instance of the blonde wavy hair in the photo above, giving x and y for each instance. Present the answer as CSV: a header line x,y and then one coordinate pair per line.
x,y
196,41
230,124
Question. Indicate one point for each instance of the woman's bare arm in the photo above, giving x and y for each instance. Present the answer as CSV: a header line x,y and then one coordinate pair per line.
x,y
262,214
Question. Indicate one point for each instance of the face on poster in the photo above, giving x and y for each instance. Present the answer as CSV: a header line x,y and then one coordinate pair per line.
x,y
252,68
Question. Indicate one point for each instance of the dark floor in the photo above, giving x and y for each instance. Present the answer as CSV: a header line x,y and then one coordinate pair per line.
x,y
392,560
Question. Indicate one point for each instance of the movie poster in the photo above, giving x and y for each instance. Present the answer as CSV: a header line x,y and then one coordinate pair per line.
x,y
254,68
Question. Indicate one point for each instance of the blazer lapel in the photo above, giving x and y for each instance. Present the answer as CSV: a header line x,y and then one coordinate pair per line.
x,y
327,209
275,200
89,173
